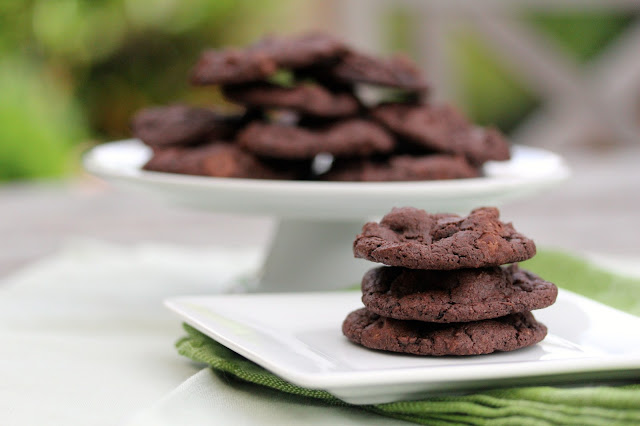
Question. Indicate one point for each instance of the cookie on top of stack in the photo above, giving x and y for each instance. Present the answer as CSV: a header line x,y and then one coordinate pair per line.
x,y
447,290
300,99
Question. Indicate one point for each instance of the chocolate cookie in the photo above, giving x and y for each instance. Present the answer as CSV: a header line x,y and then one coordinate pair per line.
x,y
231,66
301,51
264,58
403,168
353,137
182,125
305,98
443,129
398,71
506,333
415,239
454,296
219,159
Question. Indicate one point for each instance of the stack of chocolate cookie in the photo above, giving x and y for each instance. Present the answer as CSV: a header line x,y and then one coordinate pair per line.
x,y
446,291
301,98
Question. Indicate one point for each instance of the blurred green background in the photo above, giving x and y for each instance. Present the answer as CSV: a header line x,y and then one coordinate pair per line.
x,y
72,72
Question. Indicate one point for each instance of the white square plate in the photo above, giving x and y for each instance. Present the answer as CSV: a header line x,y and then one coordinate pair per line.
x,y
298,337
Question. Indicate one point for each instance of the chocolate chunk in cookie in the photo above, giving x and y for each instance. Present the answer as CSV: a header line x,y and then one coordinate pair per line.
x,y
306,99
443,129
403,168
348,138
182,125
218,159
415,239
506,333
454,296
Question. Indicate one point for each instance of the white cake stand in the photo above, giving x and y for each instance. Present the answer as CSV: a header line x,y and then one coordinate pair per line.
x,y
318,221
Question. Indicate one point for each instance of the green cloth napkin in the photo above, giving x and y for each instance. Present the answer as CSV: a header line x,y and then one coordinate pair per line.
x,y
539,405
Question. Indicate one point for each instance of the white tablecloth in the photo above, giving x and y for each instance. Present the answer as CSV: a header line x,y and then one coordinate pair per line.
x,y
85,340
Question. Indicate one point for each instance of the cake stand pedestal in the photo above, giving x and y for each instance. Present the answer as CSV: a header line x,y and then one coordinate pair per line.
x,y
307,255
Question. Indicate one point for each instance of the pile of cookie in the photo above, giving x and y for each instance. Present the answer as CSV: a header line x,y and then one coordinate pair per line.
x,y
303,116
446,291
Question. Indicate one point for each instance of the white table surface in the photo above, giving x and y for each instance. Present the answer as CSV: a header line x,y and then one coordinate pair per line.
x,y
83,270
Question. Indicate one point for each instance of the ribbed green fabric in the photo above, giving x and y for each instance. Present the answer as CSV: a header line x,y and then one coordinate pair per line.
x,y
540,405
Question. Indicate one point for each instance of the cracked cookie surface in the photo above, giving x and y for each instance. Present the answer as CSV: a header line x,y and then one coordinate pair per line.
x,y
506,333
415,239
454,296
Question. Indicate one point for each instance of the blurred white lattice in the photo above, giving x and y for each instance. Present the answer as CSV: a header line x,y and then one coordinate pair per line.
x,y
580,101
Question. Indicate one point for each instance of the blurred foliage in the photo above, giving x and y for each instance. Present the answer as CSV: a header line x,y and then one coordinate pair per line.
x,y
39,122
75,70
